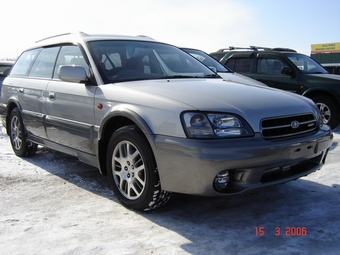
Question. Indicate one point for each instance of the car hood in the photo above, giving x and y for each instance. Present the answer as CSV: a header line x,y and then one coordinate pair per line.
x,y
325,78
253,103
238,78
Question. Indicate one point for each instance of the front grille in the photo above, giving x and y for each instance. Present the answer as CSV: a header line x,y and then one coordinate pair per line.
x,y
288,126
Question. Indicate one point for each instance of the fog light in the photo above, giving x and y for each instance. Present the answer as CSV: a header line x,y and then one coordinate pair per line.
x,y
222,181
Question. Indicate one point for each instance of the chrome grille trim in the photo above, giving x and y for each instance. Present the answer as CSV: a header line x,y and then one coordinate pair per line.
x,y
281,127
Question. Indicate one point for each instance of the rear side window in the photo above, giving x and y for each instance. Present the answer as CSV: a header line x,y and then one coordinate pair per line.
x,y
23,64
240,65
43,66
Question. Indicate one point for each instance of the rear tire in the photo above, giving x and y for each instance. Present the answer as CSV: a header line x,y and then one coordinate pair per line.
x,y
18,136
132,171
329,110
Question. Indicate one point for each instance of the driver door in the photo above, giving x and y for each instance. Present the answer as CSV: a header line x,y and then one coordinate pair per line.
x,y
268,71
70,106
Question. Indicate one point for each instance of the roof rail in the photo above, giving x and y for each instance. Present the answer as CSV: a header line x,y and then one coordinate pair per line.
x,y
259,48
256,48
50,37
146,36
233,48
284,49
272,49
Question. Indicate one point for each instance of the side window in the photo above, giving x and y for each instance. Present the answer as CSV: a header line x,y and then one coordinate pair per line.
x,y
269,65
230,64
23,64
43,66
70,55
242,65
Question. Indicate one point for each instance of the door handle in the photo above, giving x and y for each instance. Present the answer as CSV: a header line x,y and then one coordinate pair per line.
x,y
51,96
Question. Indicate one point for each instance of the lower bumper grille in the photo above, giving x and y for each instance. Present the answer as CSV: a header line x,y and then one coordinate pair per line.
x,y
278,173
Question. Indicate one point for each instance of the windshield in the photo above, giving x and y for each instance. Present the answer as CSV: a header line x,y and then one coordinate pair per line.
x,y
306,64
207,60
139,60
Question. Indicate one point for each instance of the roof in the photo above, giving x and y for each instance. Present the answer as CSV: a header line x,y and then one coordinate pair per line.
x,y
7,62
81,36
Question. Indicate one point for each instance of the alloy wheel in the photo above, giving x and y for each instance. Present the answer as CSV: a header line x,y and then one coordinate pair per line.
x,y
128,170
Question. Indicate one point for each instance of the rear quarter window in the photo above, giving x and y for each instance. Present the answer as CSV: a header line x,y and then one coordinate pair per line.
x,y
24,63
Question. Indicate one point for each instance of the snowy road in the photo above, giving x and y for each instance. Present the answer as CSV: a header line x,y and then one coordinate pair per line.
x,y
53,204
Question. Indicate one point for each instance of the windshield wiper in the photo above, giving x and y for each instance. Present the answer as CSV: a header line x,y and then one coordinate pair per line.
x,y
213,75
178,76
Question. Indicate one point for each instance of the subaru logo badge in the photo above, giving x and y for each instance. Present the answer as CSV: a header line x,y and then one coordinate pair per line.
x,y
295,124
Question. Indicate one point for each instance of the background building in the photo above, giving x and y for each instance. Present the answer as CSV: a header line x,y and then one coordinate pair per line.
x,y
326,52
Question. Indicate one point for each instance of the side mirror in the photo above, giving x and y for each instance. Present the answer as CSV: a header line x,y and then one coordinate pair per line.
x,y
288,71
72,74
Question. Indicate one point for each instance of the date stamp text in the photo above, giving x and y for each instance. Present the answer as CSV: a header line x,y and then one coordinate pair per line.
x,y
278,231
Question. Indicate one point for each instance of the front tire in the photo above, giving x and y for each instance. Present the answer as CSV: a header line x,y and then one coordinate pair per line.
x,y
132,171
18,136
329,110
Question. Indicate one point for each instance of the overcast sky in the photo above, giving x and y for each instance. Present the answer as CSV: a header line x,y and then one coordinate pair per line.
x,y
204,24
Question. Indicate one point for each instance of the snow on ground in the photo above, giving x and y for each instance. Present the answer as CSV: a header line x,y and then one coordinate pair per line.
x,y
53,204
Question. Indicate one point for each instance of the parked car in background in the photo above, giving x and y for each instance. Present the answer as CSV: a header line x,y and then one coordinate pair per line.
x,y
291,71
218,55
5,68
332,68
220,69
156,120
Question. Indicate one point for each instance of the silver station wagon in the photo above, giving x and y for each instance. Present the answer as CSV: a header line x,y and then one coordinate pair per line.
x,y
155,120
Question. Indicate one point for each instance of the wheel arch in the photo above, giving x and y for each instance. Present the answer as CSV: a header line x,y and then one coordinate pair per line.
x,y
9,108
321,92
330,106
112,122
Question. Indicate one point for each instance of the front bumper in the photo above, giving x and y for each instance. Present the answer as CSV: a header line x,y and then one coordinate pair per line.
x,y
190,166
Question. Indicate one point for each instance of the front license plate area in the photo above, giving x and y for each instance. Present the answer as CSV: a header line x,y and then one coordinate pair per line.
x,y
303,150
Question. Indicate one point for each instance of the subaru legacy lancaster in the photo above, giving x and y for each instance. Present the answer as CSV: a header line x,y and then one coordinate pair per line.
x,y
155,120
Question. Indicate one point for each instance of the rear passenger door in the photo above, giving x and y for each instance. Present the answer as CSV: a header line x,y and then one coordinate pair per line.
x,y
34,69
70,105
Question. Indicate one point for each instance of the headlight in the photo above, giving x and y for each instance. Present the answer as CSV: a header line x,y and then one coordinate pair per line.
x,y
215,125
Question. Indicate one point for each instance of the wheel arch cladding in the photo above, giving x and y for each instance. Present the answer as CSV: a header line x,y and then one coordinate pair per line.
x,y
113,122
